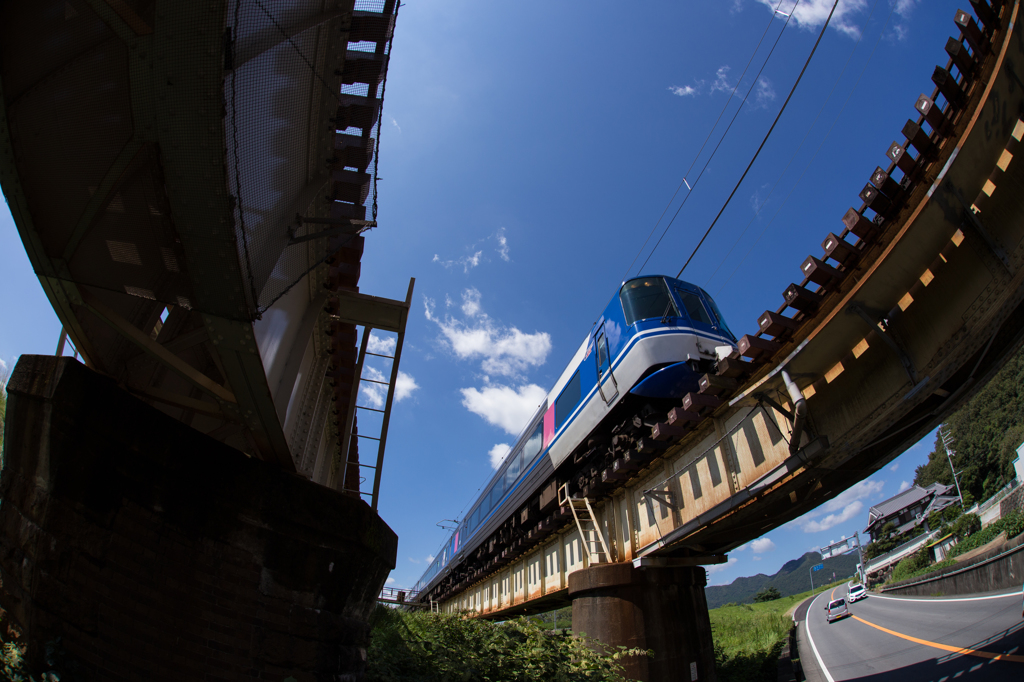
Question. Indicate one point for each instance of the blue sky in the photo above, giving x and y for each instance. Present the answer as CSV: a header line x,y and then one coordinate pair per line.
x,y
527,152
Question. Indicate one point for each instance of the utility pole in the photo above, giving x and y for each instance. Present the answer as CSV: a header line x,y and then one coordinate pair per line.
x,y
947,444
860,558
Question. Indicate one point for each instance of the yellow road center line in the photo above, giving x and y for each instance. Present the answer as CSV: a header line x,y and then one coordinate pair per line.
x,y
945,647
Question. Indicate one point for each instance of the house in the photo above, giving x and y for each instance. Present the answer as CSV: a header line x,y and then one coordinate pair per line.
x,y
909,508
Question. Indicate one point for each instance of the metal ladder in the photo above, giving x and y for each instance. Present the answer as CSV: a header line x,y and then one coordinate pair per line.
x,y
355,487
586,523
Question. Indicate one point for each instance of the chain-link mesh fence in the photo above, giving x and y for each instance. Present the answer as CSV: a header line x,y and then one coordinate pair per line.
x,y
292,182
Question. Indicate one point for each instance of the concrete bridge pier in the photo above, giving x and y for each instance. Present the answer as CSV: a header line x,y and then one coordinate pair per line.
x,y
657,608
158,553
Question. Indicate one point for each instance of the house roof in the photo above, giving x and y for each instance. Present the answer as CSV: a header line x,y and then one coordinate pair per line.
x,y
907,498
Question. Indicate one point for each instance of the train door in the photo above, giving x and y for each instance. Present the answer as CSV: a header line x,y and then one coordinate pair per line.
x,y
606,384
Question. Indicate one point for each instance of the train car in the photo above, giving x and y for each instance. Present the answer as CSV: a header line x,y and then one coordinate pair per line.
x,y
646,351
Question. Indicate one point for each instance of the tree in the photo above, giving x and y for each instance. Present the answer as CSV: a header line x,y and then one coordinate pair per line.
x,y
986,431
885,542
4,373
767,594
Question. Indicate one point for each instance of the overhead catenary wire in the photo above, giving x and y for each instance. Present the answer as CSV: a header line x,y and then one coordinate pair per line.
x,y
816,151
807,133
764,141
725,106
714,152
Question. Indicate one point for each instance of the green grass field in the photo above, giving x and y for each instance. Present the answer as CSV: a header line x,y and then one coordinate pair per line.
x,y
749,637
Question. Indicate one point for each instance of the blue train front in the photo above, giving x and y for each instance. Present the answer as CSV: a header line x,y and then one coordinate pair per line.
x,y
649,348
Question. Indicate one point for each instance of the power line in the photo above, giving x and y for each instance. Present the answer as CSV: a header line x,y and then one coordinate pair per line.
x,y
816,151
765,140
728,101
720,141
796,151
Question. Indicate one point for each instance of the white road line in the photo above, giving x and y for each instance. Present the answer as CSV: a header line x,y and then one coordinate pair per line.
x,y
940,600
821,663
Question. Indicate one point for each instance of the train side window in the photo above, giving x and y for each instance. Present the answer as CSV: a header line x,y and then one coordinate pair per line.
x,y
567,401
536,441
513,470
602,352
646,298
694,307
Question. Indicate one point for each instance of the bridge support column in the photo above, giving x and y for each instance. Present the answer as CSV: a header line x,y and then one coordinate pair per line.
x,y
155,552
662,609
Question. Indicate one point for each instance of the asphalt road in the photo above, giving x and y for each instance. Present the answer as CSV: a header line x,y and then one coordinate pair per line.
x,y
914,639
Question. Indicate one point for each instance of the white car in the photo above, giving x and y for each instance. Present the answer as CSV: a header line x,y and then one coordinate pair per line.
x,y
856,592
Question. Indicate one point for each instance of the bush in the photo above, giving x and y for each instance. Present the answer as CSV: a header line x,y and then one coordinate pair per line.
x,y
767,594
912,565
1012,523
424,647
965,526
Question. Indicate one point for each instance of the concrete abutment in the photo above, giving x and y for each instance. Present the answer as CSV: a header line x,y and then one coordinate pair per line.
x,y
657,608
157,553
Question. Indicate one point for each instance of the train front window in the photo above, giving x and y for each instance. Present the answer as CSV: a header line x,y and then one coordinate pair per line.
x,y
646,298
718,313
694,307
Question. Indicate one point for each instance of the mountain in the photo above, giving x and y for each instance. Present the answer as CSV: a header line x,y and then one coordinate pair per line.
x,y
792,578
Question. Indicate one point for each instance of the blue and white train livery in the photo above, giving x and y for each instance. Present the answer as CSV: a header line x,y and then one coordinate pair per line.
x,y
648,349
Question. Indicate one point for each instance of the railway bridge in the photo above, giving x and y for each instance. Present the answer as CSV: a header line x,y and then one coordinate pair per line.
x,y
193,184
914,301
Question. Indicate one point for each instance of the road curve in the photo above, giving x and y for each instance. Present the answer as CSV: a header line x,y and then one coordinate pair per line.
x,y
914,639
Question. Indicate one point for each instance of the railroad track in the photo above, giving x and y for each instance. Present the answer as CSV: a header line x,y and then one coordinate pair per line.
x,y
914,300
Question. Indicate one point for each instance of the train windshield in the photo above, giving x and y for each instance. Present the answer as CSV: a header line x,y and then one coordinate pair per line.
x,y
718,313
646,298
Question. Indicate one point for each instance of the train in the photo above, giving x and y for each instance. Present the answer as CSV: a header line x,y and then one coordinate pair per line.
x,y
648,349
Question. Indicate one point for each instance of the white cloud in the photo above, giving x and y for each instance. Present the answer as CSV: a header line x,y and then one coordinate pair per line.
x,y
903,9
858,491
684,91
467,262
497,454
415,561
430,557
832,520
721,82
762,545
718,568
391,581
381,345
811,14
471,302
504,406
502,245
764,93
842,508
404,386
742,547
394,122
894,467
504,351
905,485
375,394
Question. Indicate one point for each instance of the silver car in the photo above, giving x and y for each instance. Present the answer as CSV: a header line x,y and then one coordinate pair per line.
x,y
836,609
